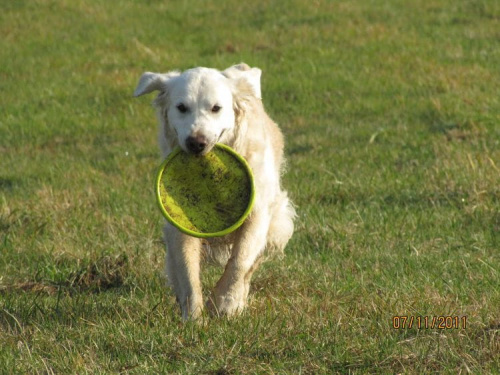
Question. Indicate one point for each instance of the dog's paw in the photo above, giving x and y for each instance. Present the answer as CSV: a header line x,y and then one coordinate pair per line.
x,y
226,305
191,311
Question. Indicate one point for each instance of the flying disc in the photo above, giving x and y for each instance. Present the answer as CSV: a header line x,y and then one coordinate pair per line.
x,y
205,196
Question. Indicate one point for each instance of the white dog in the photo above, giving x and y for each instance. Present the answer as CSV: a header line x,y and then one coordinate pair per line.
x,y
197,109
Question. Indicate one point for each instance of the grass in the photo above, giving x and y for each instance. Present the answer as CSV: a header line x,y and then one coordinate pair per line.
x,y
390,110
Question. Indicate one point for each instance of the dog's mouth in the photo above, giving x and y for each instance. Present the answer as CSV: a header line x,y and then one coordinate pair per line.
x,y
205,151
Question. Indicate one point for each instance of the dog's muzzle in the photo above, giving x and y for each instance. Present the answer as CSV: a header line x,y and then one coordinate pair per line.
x,y
196,144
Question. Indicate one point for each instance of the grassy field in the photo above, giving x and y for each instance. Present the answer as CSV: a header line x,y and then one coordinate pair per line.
x,y
391,112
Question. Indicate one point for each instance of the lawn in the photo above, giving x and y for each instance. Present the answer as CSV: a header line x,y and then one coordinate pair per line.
x,y
391,114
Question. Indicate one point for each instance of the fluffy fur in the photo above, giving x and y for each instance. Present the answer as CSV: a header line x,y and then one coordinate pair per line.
x,y
196,109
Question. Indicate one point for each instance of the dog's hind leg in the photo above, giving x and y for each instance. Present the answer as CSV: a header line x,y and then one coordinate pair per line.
x,y
183,271
281,226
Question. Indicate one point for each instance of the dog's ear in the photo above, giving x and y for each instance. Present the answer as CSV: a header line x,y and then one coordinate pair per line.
x,y
150,82
243,76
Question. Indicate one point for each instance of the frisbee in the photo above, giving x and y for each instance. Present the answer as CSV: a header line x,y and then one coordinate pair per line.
x,y
205,196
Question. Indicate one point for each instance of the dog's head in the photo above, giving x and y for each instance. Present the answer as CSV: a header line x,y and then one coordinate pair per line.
x,y
200,104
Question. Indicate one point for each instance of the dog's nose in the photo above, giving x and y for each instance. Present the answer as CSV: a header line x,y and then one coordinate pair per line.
x,y
196,144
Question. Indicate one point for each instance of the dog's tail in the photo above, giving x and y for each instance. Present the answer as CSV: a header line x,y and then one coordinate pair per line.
x,y
281,227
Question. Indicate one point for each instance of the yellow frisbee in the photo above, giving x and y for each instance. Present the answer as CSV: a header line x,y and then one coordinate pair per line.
x,y
205,196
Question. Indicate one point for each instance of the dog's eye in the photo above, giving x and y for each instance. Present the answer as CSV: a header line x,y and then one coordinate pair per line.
x,y
182,108
216,108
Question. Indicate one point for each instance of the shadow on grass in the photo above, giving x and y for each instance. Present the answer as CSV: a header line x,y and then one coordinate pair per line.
x,y
45,301
105,273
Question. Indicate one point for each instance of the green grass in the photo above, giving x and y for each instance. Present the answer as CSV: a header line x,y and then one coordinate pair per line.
x,y
390,111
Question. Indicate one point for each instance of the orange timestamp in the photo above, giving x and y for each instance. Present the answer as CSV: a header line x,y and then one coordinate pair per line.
x,y
429,322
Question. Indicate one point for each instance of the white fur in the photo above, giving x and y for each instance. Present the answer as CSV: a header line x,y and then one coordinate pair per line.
x,y
241,123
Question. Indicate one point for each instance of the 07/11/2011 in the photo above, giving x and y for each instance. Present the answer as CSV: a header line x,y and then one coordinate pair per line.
x,y
429,322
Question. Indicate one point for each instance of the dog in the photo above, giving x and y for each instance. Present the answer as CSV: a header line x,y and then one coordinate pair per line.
x,y
196,109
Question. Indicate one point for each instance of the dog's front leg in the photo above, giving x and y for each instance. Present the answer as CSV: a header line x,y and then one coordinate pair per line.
x,y
231,291
183,271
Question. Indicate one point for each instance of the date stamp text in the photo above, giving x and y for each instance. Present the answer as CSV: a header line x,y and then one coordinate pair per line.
x,y
429,322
